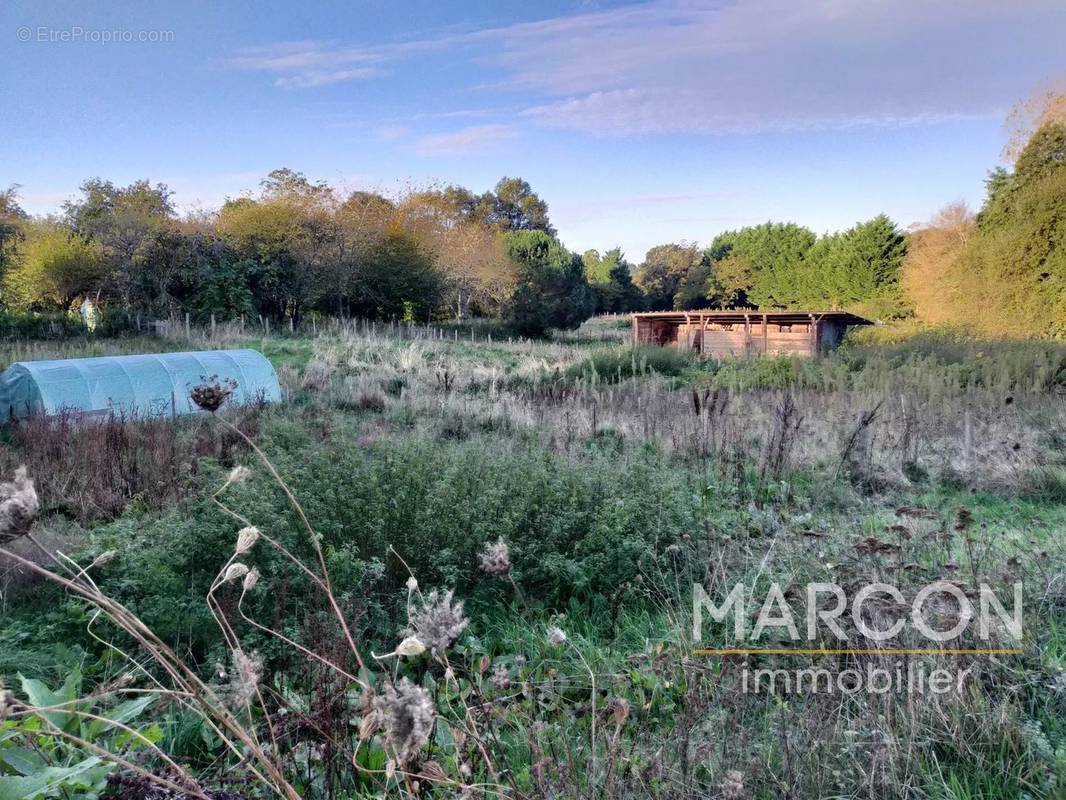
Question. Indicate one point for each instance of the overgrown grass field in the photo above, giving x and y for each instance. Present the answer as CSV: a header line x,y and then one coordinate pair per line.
x,y
569,493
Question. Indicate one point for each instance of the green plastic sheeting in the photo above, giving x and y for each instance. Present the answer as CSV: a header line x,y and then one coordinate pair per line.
x,y
142,386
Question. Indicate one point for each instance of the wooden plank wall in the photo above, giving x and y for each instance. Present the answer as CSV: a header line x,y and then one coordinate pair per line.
x,y
747,339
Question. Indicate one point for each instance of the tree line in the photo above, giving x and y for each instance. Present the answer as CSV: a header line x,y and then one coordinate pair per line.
x,y
299,247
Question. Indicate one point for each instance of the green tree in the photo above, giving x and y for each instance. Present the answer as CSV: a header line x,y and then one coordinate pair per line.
x,y
514,206
664,269
621,295
862,265
53,268
12,220
598,268
1011,277
120,219
775,252
551,291
692,291
611,278
730,281
398,279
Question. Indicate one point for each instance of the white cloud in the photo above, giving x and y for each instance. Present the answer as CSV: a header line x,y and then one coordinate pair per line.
x,y
324,77
727,66
465,140
391,133
781,65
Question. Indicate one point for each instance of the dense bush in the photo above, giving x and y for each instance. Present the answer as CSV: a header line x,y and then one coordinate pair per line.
x,y
437,502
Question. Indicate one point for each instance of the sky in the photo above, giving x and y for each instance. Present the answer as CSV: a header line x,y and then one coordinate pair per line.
x,y
639,123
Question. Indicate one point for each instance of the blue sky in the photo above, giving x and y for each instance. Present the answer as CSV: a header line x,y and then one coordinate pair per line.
x,y
639,123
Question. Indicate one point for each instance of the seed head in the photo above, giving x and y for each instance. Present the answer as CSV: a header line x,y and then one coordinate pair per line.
x,y
239,474
244,681
246,539
496,558
212,393
104,558
438,622
250,580
556,636
234,571
18,506
407,714
411,646
412,583
501,678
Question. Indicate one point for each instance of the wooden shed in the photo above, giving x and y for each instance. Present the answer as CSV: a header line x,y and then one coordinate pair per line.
x,y
718,334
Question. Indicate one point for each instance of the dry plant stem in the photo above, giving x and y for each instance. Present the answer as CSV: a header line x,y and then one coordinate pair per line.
x,y
472,730
63,708
235,646
592,718
306,651
184,699
181,674
51,556
100,751
315,579
311,535
273,542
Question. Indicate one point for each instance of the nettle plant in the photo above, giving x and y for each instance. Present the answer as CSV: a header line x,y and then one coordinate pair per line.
x,y
400,721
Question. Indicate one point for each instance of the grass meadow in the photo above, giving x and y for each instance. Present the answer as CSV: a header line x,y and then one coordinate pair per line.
x,y
473,563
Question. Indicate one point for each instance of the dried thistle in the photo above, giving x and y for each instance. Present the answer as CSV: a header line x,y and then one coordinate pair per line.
x,y
406,713
239,474
18,506
244,681
212,393
246,539
501,678
556,636
496,558
438,622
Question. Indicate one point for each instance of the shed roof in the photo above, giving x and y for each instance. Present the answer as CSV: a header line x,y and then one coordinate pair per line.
x,y
740,315
138,385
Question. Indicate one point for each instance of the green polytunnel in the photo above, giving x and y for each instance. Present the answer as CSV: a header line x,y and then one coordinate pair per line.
x,y
151,385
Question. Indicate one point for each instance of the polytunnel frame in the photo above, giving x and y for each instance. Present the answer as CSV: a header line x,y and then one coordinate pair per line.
x,y
43,399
